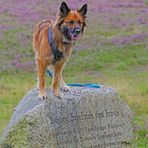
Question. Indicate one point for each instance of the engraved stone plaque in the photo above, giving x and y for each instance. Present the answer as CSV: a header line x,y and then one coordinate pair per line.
x,y
84,118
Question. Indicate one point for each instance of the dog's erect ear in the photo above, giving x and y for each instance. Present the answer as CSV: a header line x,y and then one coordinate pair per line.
x,y
83,10
64,10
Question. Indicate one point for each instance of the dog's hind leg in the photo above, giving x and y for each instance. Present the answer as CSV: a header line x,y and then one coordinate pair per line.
x,y
63,85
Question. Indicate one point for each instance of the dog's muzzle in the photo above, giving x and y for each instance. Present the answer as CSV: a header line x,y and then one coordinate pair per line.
x,y
73,33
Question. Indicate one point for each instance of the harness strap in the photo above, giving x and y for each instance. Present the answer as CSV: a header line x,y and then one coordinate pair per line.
x,y
58,55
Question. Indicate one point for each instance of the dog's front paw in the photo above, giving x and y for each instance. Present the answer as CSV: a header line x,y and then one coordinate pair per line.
x,y
43,96
56,92
58,95
65,87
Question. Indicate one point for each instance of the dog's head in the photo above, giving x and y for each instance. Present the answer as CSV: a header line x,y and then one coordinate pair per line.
x,y
72,23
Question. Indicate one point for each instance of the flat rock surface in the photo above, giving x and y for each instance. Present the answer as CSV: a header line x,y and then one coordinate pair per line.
x,y
84,118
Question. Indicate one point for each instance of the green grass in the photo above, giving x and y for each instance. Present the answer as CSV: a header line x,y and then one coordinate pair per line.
x,y
123,68
13,87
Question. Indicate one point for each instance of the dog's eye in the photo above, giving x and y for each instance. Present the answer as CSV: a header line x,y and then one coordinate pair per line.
x,y
79,22
70,22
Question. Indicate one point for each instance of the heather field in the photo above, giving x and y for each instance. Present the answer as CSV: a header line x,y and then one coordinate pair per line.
x,y
112,52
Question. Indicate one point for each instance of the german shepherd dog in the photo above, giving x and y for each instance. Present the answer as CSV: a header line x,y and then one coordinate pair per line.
x,y
53,42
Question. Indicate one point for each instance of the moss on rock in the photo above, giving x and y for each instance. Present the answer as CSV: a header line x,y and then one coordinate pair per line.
x,y
17,136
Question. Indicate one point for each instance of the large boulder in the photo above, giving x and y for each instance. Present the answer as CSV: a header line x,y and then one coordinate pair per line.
x,y
84,118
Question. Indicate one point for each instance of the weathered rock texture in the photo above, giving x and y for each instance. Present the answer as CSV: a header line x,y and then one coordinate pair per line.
x,y
84,118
